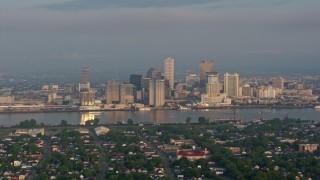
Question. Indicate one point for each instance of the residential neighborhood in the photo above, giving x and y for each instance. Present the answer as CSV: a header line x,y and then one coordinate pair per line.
x,y
279,148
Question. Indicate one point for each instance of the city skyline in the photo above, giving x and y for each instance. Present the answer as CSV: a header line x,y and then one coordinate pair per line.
x,y
282,35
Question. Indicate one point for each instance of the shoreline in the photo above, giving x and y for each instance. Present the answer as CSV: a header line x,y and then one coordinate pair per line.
x,y
159,109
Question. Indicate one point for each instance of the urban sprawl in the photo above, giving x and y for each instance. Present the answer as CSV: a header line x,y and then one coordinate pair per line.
x,y
159,90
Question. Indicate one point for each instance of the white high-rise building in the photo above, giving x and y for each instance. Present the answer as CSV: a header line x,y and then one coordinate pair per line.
x,y
156,92
169,71
231,84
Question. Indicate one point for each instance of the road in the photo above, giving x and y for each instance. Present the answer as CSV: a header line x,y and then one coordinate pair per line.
x,y
162,155
102,160
46,154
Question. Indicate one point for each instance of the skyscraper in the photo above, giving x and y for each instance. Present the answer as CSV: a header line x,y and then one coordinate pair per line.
x,y
206,66
85,83
212,85
85,74
278,82
136,79
113,92
154,73
231,84
127,92
169,71
156,92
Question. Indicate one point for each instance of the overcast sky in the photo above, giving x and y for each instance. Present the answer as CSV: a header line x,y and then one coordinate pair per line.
x,y
123,36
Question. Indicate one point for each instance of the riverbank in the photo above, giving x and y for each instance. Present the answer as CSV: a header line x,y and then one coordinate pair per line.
x,y
157,109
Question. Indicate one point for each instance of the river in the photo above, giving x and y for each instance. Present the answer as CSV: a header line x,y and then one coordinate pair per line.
x,y
159,116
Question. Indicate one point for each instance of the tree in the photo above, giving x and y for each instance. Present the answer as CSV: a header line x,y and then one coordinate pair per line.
x,y
203,120
64,122
96,121
44,176
188,120
130,121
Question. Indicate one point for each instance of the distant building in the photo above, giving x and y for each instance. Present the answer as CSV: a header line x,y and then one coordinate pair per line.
x,y
247,91
7,100
113,92
212,85
212,95
278,82
206,66
154,73
87,98
266,92
191,79
85,83
127,92
136,79
231,84
156,92
169,71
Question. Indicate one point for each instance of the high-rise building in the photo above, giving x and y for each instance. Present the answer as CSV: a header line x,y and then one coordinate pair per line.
x,y
278,82
113,92
154,73
206,66
247,91
231,84
156,92
127,92
85,83
85,74
212,85
136,79
169,71
87,98
191,79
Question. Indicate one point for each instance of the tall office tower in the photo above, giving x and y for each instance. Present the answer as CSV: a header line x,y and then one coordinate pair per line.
x,y
169,71
87,98
212,85
85,74
113,92
156,92
136,79
85,84
127,92
205,67
191,79
154,73
231,84
278,82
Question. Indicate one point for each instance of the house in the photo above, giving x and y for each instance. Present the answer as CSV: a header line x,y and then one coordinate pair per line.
x,y
193,154
235,150
101,130
308,147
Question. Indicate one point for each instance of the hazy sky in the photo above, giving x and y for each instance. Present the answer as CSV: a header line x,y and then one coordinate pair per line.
x,y
123,36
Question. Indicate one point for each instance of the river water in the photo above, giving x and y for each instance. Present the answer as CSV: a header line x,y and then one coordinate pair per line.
x,y
159,116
